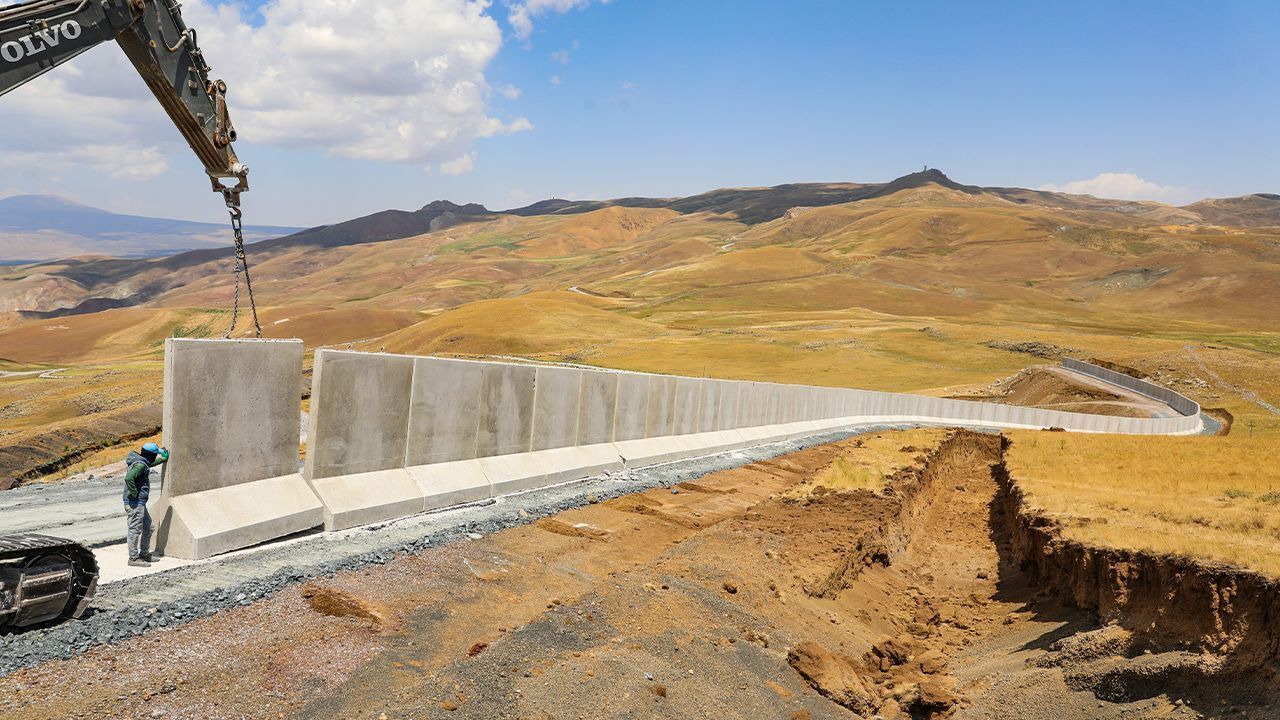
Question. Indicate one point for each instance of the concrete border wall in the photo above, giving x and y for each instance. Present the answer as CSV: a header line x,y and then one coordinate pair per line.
x,y
231,422
1179,402
358,437
394,435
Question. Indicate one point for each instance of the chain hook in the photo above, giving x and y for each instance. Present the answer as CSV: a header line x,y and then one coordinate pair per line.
x,y
232,197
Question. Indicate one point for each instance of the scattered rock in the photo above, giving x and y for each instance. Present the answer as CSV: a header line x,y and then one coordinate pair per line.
x,y
936,693
1038,349
888,653
932,662
833,676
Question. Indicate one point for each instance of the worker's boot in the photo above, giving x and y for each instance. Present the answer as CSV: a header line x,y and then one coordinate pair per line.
x,y
139,562
147,558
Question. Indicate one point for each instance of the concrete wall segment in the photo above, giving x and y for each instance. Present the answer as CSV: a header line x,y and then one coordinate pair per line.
x,y
231,412
660,415
359,416
1181,403
506,409
444,412
711,394
231,421
557,392
597,404
630,419
688,406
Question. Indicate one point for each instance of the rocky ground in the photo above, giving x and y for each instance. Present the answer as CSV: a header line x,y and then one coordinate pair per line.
x,y
748,593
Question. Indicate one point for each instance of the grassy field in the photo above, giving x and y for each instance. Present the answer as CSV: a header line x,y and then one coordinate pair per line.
x,y
1212,498
871,461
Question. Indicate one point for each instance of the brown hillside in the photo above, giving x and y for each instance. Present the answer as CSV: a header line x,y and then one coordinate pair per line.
x,y
897,290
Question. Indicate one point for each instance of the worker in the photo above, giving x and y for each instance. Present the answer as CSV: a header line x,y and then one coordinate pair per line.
x,y
137,486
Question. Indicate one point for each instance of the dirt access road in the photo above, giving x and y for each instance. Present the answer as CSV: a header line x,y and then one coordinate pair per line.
x,y
750,593
1057,388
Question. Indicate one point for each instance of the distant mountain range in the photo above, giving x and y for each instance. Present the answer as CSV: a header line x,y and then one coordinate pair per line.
x,y
48,227
762,204
805,210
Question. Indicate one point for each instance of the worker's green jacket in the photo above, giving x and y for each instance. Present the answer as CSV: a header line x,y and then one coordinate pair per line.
x,y
137,478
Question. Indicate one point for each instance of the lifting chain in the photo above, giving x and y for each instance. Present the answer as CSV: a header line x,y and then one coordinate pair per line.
x,y
242,263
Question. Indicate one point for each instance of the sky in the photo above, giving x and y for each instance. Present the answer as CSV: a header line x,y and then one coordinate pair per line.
x,y
348,107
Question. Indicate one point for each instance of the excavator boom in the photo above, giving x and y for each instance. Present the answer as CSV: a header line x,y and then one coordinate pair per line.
x,y
37,36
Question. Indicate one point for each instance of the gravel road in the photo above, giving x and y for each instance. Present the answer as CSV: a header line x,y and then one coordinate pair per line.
x,y
87,511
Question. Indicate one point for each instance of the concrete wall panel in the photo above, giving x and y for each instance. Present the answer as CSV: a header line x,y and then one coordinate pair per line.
x,y
730,405
688,405
660,416
444,412
359,413
630,419
750,406
506,410
231,412
557,392
231,420
597,404
709,405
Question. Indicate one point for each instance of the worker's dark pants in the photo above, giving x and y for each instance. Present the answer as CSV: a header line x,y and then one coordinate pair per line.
x,y
139,529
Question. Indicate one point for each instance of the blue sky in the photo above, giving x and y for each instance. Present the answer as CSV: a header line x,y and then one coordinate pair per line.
x,y
659,97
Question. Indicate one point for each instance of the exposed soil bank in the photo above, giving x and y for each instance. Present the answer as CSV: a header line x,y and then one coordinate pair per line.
x,y
1224,417
68,444
1205,623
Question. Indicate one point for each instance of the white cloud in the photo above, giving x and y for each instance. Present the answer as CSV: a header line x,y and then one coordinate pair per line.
x,y
510,92
397,80
402,81
560,56
119,162
555,80
1120,186
522,12
459,166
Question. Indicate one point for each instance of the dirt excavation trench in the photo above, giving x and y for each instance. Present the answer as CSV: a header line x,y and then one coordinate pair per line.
x,y
757,592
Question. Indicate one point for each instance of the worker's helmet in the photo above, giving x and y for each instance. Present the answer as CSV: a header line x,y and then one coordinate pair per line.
x,y
151,448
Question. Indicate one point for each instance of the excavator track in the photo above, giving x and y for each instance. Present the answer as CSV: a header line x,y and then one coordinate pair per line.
x,y
44,580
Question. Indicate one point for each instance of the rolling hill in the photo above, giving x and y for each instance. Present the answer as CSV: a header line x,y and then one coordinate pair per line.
x,y
924,207
896,286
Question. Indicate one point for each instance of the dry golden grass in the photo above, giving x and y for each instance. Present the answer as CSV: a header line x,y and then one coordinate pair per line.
x,y
870,465
1210,498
